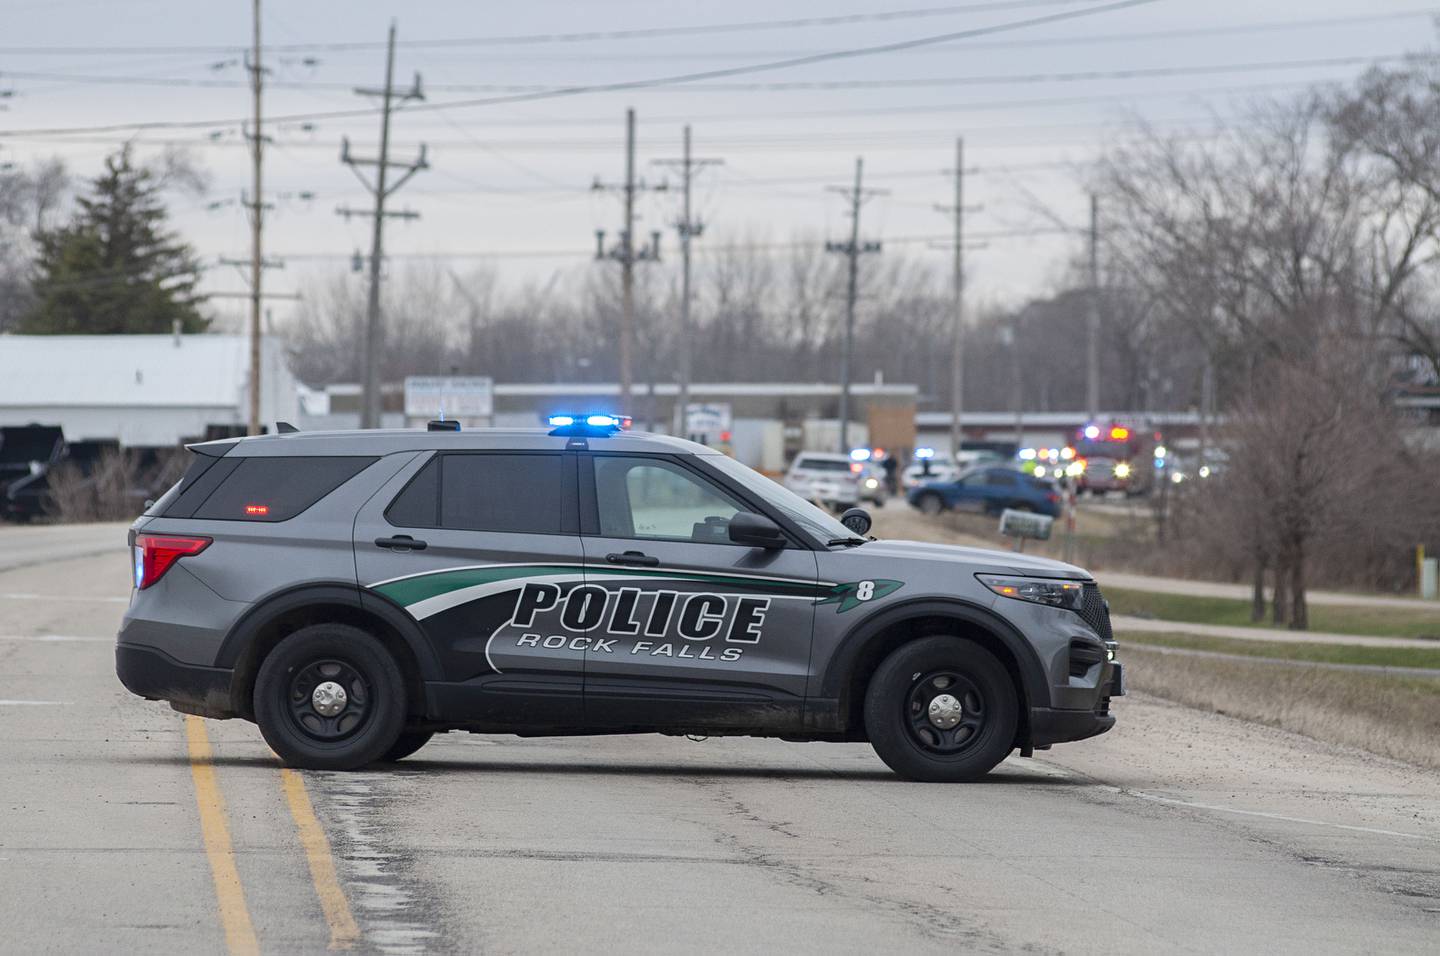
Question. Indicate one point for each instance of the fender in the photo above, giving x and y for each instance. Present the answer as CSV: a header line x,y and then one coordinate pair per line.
x,y
836,677
273,605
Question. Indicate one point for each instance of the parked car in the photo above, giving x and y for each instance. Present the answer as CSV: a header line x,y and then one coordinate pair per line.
x,y
831,479
988,490
872,484
926,470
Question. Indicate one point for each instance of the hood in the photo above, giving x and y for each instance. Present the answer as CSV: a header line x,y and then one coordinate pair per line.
x,y
979,559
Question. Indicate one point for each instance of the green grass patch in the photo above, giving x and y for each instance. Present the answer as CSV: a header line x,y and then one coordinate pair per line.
x,y
1230,612
1322,653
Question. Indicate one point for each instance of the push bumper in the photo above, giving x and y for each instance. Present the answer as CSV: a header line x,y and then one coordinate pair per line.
x,y
189,688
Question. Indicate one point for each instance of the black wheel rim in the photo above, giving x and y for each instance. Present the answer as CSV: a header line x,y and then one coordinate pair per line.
x,y
945,712
310,715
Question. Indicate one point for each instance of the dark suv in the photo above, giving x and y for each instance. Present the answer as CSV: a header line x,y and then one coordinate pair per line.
x,y
355,593
991,490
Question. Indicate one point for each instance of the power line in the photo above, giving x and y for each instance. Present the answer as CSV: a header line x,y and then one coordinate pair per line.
x,y
982,79
626,85
713,248
543,38
1178,33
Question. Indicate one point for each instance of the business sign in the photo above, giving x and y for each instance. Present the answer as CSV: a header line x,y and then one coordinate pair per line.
x,y
466,396
707,419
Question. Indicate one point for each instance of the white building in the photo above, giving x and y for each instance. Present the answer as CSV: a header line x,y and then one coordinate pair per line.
x,y
144,390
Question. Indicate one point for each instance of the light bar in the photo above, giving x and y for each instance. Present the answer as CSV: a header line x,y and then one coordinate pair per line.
x,y
560,421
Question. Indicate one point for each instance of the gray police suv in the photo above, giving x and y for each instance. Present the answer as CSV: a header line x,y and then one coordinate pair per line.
x,y
354,593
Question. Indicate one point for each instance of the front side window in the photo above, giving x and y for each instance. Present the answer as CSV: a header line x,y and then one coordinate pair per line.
x,y
652,498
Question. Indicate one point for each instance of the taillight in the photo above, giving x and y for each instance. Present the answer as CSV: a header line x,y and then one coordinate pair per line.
x,y
155,553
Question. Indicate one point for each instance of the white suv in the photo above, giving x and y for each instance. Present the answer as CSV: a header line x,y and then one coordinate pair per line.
x,y
832,480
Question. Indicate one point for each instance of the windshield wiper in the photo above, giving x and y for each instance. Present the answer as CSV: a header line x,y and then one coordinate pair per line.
x,y
852,542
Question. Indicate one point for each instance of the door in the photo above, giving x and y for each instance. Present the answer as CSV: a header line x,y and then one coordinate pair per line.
x,y
463,542
696,631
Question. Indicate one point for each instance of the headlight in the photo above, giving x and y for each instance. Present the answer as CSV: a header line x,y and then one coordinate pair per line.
x,y
1067,594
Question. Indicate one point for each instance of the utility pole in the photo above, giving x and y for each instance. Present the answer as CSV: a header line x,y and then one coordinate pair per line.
x,y
627,255
852,251
957,341
1092,344
688,227
381,189
256,208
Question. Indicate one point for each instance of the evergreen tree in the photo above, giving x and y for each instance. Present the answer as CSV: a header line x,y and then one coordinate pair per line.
x,y
115,268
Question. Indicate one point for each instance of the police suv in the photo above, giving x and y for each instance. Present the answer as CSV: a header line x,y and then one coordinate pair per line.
x,y
355,593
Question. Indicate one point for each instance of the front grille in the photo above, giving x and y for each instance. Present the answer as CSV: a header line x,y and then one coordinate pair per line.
x,y
1095,612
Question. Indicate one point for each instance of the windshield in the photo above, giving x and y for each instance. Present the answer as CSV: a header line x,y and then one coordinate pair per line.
x,y
797,509
824,464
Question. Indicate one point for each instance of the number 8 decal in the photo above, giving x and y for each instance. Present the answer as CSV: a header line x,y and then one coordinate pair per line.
x,y
865,590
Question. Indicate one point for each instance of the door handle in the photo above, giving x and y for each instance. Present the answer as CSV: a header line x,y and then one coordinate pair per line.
x,y
401,542
638,558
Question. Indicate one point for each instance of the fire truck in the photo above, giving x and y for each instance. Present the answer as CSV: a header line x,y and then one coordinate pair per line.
x,y
1118,457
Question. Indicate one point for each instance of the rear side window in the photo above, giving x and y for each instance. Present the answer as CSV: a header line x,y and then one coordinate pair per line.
x,y
274,489
199,464
523,494
824,464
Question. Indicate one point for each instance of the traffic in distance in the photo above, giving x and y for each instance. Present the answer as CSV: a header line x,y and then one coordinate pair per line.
x,y
355,593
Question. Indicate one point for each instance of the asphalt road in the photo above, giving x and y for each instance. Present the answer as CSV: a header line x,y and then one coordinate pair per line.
x,y
125,827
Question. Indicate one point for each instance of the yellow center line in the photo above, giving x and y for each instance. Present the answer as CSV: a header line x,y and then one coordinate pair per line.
x,y
344,934
234,915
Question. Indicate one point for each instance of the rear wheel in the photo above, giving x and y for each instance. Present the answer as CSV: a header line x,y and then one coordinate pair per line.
x,y
330,697
408,743
941,710
931,504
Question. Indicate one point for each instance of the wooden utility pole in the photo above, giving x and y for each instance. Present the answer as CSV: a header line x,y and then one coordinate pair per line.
x,y
256,207
1092,343
381,190
852,250
627,255
688,228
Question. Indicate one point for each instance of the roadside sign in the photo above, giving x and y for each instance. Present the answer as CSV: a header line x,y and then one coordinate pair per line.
x,y
471,396
709,420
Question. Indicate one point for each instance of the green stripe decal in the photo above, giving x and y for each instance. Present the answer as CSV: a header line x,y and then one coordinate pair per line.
x,y
408,591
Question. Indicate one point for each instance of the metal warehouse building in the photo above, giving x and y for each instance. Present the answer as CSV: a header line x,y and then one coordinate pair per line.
x,y
142,390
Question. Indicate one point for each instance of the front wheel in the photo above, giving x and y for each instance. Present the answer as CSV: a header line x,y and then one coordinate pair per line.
x,y
330,697
941,710
931,504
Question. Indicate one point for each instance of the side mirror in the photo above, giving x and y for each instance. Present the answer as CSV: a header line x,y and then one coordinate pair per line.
x,y
857,520
756,531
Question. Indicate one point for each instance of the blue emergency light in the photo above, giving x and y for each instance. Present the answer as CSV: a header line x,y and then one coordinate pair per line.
x,y
593,424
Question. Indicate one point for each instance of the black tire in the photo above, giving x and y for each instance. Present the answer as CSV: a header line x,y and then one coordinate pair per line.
x,y
931,504
407,743
371,717
897,717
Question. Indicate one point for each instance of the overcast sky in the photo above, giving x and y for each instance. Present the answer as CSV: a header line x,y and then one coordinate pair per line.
x,y
511,180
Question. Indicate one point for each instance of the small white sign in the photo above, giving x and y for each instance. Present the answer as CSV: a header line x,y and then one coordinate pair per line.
x,y
471,396
709,419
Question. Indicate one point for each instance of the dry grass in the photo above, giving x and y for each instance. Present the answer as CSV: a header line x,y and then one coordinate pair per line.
x,y
1391,716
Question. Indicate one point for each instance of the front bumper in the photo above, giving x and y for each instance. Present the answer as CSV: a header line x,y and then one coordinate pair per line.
x,y
1050,726
151,673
